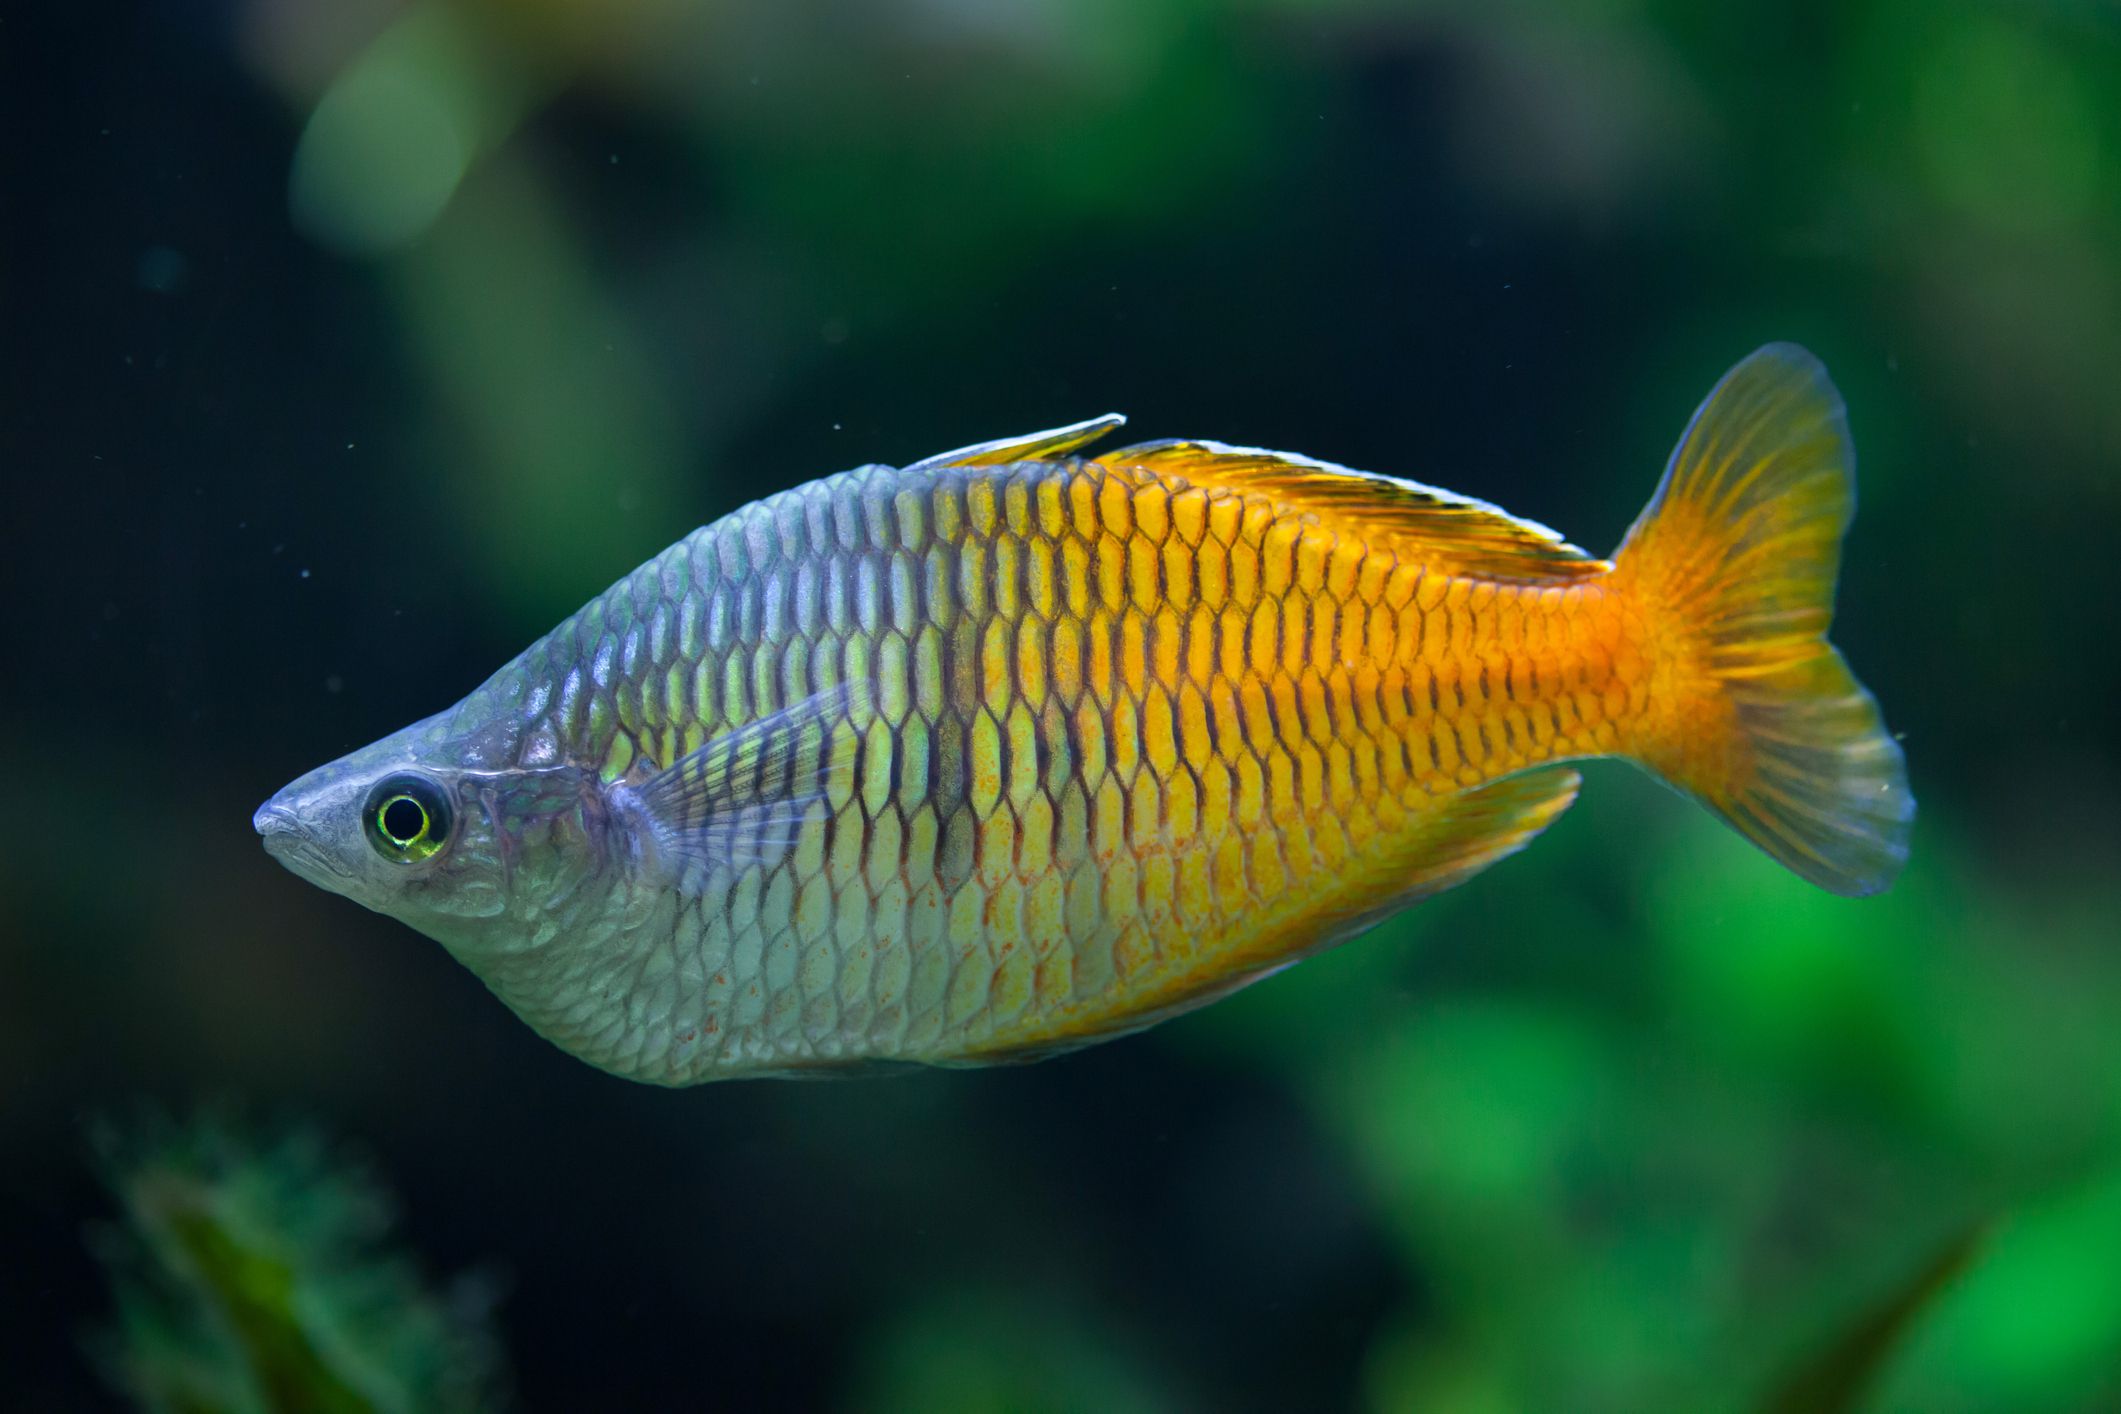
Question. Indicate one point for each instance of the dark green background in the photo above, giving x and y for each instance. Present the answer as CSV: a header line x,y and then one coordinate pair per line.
x,y
353,345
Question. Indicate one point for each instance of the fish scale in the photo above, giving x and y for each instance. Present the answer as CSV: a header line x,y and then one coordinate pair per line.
x,y
1118,725
1014,749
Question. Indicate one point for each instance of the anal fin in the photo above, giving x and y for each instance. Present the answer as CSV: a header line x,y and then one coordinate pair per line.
x,y
1480,827
1447,845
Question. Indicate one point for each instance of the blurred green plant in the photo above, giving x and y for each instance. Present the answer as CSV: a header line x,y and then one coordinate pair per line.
x,y
254,1273
1841,1376
2035,1324
1674,1169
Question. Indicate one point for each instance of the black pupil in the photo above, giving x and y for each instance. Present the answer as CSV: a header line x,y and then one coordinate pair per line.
x,y
403,819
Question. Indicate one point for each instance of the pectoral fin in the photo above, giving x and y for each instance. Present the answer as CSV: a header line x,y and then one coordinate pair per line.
x,y
744,798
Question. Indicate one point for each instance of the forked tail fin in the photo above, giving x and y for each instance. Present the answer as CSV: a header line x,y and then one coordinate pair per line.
x,y
1733,565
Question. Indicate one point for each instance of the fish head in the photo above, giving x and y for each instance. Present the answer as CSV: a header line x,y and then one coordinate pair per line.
x,y
429,827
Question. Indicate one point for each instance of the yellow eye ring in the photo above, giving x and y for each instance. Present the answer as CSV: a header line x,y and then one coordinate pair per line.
x,y
407,819
403,821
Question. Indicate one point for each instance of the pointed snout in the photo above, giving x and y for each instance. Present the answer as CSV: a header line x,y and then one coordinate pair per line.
x,y
273,818
297,833
286,838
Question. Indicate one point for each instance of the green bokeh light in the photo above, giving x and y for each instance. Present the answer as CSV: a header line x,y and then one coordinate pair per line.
x,y
2007,126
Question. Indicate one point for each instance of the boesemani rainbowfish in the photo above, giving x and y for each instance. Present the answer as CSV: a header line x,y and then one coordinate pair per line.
x,y
1016,749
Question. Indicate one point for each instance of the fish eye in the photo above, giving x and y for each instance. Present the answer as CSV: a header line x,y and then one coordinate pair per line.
x,y
408,819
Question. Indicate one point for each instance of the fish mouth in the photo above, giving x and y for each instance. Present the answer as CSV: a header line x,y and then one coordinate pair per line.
x,y
290,841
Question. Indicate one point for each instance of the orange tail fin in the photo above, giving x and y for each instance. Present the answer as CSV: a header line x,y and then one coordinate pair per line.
x,y
1733,566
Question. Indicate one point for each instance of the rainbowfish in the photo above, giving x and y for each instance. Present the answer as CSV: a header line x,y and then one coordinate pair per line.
x,y
1017,749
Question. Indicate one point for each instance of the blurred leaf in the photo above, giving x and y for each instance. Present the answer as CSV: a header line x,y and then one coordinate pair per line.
x,y
2035,1324
1837,1379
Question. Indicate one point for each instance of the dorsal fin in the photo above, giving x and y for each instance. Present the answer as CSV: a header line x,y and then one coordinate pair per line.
x,y
1452,533
1039,446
